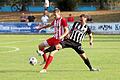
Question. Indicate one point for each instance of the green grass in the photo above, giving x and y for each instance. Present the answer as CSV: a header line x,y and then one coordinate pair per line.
x,y
66,65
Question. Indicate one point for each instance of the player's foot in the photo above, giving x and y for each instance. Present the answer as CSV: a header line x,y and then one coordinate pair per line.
x,y
42,63
43,71
93,69
39,52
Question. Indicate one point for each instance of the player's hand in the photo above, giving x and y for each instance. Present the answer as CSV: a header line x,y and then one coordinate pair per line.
x,y
91,44
67,36
37,27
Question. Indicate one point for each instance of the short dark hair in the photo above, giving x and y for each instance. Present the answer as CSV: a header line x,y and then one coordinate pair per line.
x,y
56,10
83,15
89,18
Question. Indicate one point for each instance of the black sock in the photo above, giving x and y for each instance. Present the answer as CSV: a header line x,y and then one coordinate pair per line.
x,y
87,62
50,49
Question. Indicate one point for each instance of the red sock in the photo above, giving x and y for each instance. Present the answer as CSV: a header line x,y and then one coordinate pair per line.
x,y
44,55
49,60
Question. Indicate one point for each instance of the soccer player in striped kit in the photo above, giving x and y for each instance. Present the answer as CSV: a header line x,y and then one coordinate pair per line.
x,y
61,30
74,39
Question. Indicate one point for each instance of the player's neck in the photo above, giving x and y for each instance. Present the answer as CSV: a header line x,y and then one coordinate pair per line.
x,y
58,16
83,23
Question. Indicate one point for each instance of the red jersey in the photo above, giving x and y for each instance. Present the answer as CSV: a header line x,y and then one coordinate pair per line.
x,y
59,25
70,19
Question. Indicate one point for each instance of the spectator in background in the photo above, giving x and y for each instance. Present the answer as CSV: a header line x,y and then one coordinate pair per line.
x,y
23,18
31,18
46,5
70,18
45,18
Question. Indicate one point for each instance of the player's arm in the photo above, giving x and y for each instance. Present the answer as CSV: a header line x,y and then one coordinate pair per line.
x,y
90,37
66,31
39,27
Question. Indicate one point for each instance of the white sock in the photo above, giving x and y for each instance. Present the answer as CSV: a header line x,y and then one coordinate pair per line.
x,y
40,52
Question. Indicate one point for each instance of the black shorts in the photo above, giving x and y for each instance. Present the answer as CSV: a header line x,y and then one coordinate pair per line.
x,y
72,44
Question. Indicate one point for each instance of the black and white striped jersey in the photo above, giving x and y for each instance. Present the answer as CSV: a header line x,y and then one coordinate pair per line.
x,y
78,32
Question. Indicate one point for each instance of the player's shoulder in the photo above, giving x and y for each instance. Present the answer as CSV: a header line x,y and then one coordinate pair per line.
x,y
63,19
87,26
76,22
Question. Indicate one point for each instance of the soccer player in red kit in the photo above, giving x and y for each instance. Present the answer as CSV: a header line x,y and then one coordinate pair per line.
x,y
61,30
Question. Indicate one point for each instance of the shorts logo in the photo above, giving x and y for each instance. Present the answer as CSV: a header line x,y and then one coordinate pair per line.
x,y
79,47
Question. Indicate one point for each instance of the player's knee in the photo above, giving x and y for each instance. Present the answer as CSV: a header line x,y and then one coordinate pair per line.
x,y
41,46
58,47
83,56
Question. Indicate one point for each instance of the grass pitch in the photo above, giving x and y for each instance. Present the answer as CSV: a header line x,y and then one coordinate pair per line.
x,y
15,51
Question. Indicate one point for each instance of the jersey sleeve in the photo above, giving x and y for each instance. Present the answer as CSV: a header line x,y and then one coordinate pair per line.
x,y
64,22
88,30
52,23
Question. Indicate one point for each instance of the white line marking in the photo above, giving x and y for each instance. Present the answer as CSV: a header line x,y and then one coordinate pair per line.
x,y
11,42
14,49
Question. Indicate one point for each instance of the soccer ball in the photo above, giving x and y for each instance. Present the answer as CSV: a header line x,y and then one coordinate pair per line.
x,y
33,61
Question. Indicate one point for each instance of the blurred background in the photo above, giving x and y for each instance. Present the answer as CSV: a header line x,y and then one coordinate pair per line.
x,y
10,10
101,11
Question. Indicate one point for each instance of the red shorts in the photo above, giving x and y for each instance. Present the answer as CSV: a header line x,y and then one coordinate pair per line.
x,y
53,41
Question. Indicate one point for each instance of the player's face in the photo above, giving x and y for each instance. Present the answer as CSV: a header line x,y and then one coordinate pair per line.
x,y
56,13
82,19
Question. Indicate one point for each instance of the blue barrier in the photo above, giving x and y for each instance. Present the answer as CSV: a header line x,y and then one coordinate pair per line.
x,y
36,9
30,8
29,27
51,8
13,27
39,8
6,9
22,27
86,8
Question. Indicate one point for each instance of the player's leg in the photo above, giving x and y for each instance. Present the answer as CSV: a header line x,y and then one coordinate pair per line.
x,y
63,44
87,62
52,50
50,42
82,54
51,55
41,49
49,60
